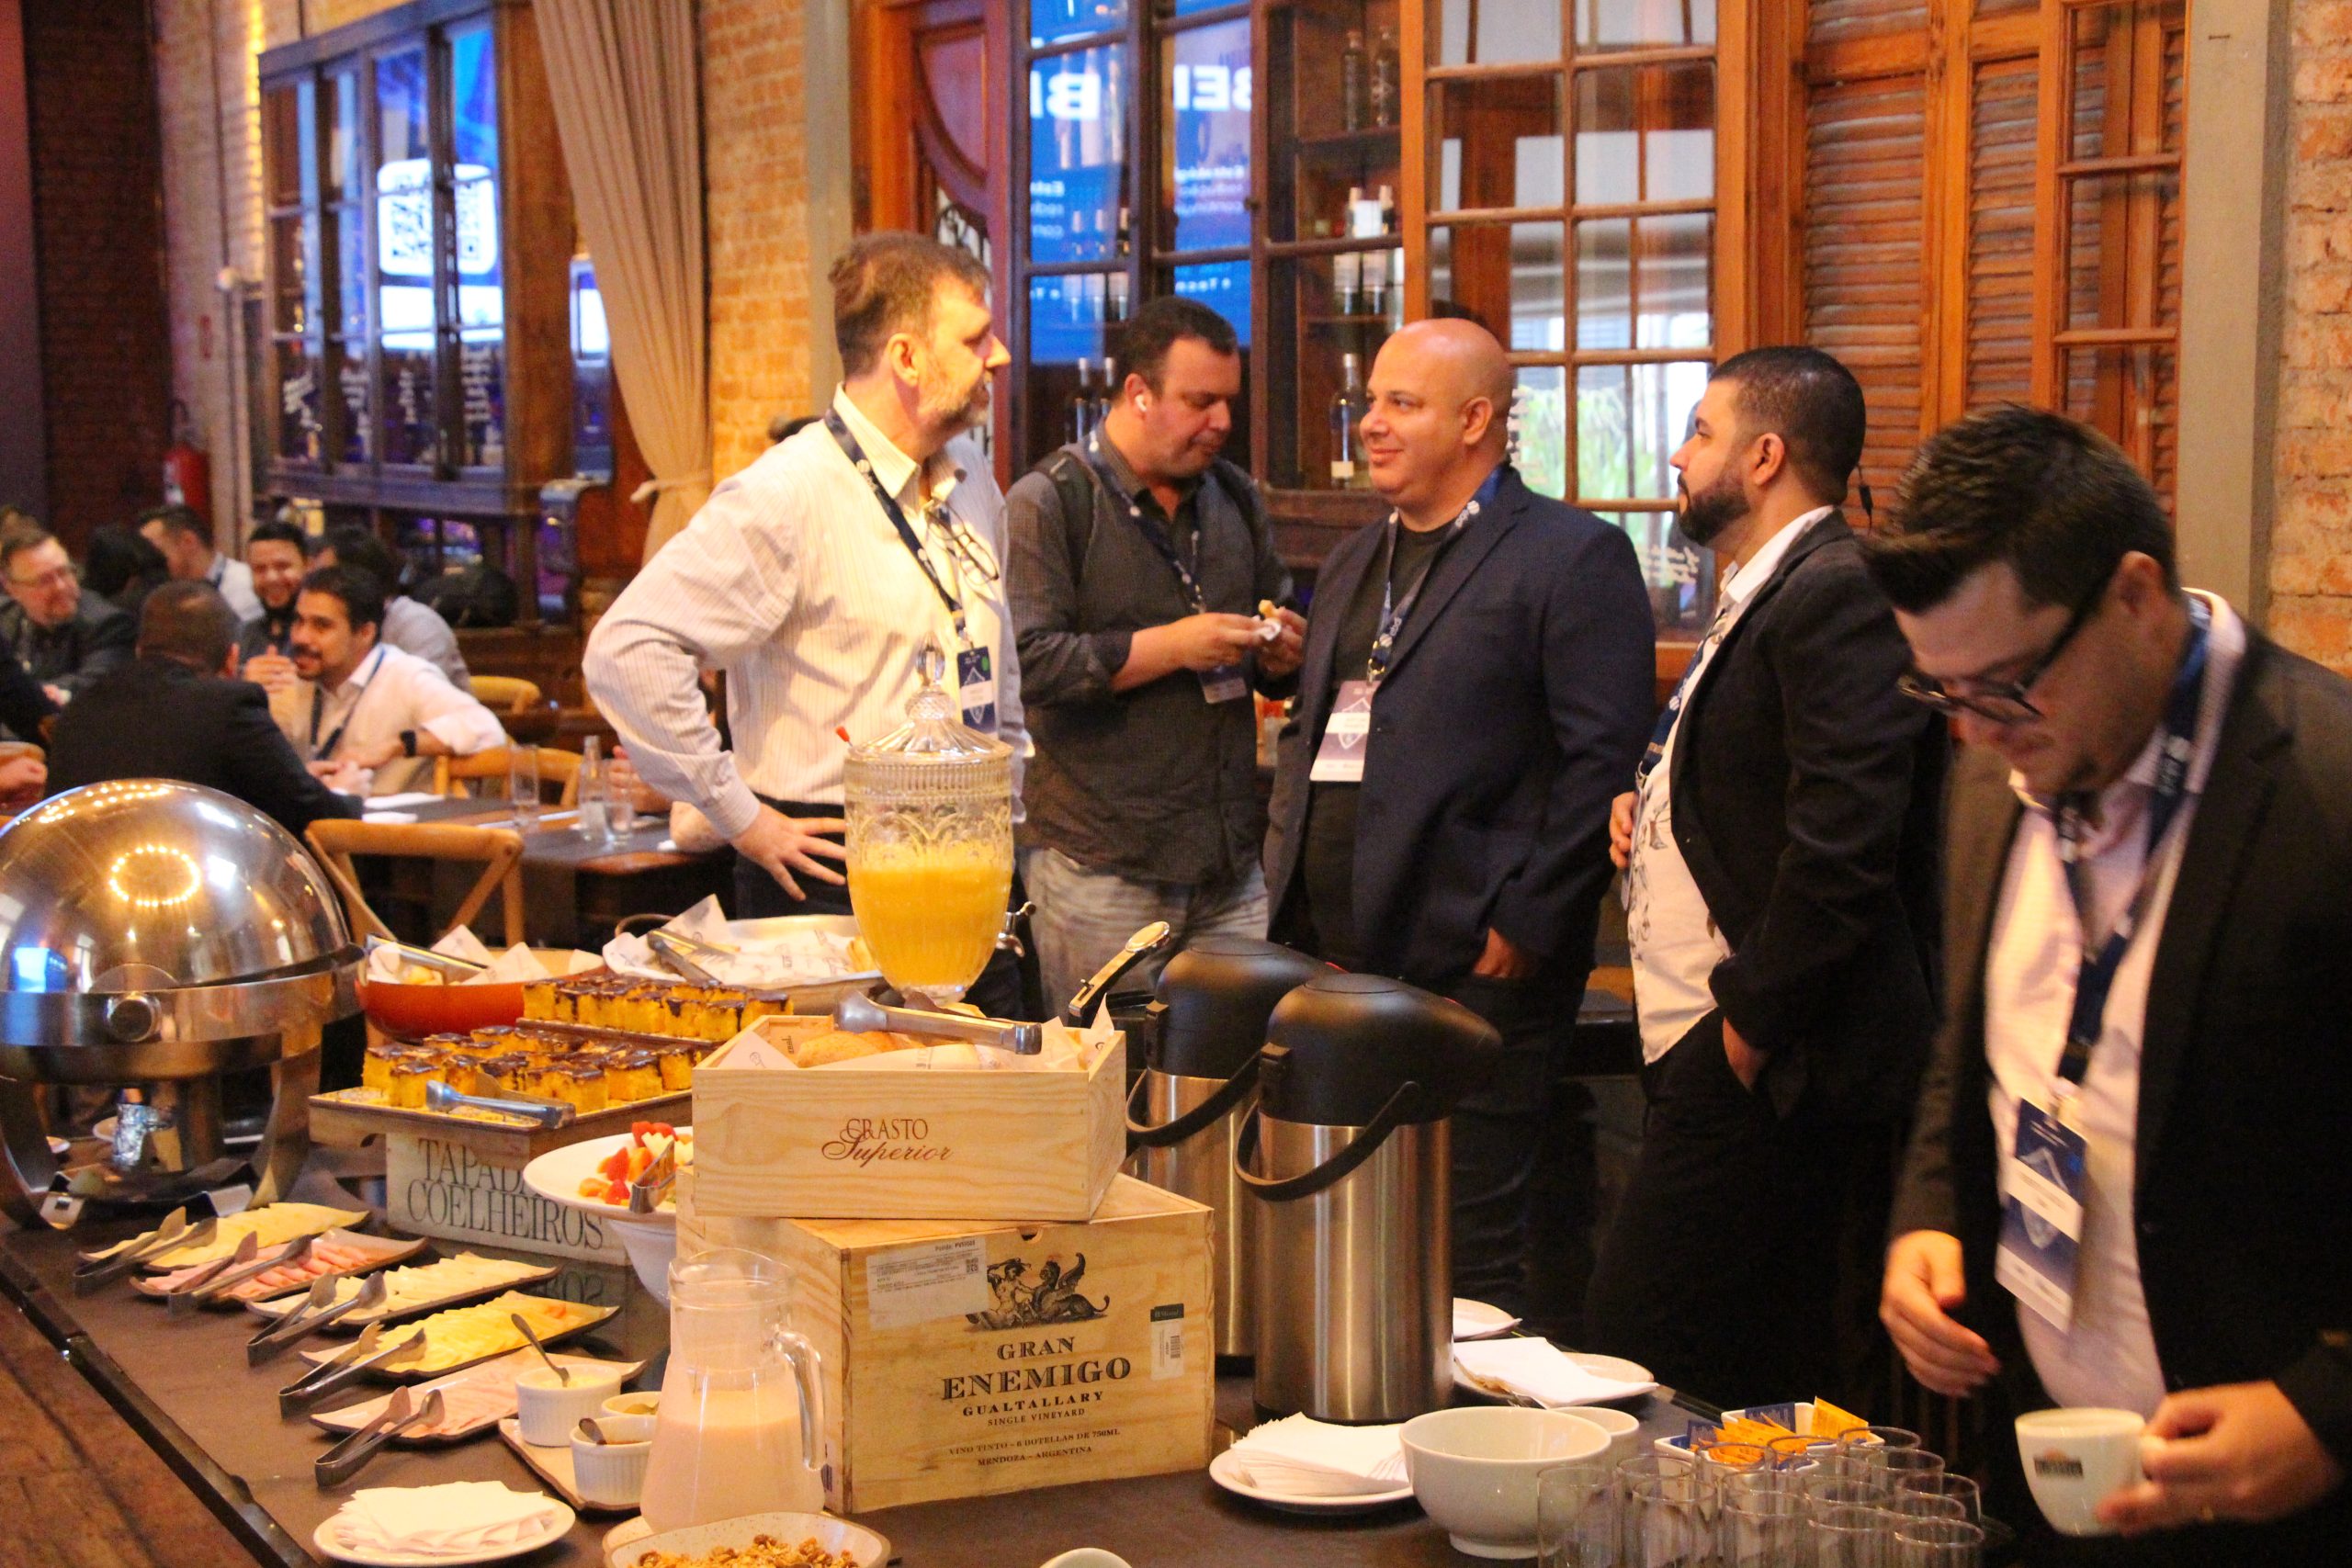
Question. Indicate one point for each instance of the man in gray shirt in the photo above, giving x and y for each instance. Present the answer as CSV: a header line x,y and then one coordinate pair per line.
x,y
1141,565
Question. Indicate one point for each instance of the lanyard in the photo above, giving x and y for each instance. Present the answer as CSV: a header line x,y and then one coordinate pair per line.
x,y
1393,611
890,508
319,703
1656,751
1188,577
2096,976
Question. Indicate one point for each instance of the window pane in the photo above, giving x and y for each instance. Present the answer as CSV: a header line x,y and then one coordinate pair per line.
x,y
1680,576
1205,154
284,112
351,262
1498,142
343,137
1504,276
482,313
1223,287
293,255
1630,420
1051,21
350,362
1645,134
1507,31
1540,429
405,314
1077,154
1644,24
298,401
1645,283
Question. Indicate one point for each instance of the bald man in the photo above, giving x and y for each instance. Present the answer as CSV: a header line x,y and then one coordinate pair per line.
x,y
1476,686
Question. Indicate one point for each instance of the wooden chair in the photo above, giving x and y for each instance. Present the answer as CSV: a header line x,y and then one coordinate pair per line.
x,y
504,694
454,775
499,849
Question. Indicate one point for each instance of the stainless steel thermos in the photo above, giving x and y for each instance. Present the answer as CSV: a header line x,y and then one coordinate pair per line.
x,y
1200,1080
1347,1148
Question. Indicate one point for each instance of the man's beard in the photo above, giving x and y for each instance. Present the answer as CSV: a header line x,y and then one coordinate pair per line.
x,y
1706,515
943,409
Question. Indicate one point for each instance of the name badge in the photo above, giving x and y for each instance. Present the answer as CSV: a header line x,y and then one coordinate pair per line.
x,y
1346,736
2042,1216
976,688
1224,684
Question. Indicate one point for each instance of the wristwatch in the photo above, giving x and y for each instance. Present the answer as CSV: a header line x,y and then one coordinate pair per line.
x,y
408,742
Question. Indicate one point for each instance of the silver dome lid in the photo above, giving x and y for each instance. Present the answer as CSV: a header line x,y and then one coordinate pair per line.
x,y
141,918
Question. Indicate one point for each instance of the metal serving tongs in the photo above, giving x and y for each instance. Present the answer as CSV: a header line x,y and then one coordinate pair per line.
x,y
1140,946
674,956
316,1311
859,1014
99,1269
457,968
645,1193
204,1291
347,1458
545,1112
363,1353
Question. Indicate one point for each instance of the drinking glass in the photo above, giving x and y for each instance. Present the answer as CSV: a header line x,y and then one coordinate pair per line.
x,y
1719,1460
1756,1527
1894,1466
1660,1521
1913,1492
1576,1515
1848,1537
1871,1445
523,785
589,798
1937,1543
1826,1491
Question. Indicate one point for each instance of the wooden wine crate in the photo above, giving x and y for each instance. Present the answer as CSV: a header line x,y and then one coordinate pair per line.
x,y
965,1359
857,1142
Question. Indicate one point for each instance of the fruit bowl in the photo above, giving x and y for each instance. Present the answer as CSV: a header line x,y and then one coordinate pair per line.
x,y
651,1240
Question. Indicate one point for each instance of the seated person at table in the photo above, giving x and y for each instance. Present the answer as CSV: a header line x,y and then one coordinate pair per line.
x,y
277,555
186,540
122,566
177,711
409,625
64,639
362,705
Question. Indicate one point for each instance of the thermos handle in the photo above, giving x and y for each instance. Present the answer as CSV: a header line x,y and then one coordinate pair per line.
x,y
1142,1136
806,1372
1331,1171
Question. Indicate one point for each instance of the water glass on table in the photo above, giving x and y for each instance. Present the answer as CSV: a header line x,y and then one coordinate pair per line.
x,y
1935,1543
1934,1496
1759,1525
523,785
1660,1521
1576,1515
593,794
1847,1536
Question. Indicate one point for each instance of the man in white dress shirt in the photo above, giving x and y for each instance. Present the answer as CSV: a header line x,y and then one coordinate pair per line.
x,y
186,540
798,581
366,716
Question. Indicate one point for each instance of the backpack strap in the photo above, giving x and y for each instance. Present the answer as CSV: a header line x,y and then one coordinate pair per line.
x,y
1073,484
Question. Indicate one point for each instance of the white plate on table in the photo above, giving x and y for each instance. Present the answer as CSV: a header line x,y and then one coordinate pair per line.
x,y
624,1543
1614,1368
1225,1470
557,1524
1477,1320
651,1240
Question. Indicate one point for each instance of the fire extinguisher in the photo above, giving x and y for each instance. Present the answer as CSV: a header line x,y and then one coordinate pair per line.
x,y
187,472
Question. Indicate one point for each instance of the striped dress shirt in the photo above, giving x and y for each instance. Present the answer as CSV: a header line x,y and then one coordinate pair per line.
x,y
792,579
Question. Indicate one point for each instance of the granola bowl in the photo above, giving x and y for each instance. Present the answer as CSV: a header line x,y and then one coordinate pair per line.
x,y
754,1541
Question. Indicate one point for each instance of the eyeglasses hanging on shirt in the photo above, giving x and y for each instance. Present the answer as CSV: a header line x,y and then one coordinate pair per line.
x,y
975,666
1227,682
319,704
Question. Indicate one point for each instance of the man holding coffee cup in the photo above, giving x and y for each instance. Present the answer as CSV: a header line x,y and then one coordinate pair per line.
x,y
2126,1189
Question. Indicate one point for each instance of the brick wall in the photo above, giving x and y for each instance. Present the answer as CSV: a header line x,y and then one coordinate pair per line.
x,y
2311,559
98,238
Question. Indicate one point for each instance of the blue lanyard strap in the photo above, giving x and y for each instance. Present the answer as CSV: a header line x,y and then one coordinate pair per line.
x,y
1393,611
2095,978
1188,577
890,509
319,704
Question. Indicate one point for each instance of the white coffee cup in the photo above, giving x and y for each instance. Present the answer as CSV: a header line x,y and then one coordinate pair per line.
x,y
2074,1460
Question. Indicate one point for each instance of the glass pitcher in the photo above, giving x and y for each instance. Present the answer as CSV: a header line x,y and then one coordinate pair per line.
x,y
929,834
740,1430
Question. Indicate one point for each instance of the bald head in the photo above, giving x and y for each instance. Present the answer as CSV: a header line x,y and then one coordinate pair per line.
x,y
1440,404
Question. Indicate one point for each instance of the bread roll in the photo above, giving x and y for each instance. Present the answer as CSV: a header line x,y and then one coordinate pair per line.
x,y
835,1045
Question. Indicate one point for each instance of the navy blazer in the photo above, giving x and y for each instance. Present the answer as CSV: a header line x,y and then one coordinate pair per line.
x,y
1517,702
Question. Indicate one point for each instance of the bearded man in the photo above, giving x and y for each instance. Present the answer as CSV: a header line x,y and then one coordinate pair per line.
x,y
1779,850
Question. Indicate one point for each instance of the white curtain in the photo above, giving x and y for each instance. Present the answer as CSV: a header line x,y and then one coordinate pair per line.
x,y
622,74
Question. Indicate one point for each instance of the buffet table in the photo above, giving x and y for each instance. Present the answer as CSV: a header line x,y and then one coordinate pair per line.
x,y
184,1387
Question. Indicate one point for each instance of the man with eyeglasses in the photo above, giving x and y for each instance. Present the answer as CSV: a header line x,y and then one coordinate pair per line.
x,y
818,576
1780,855
2127,1188
64,639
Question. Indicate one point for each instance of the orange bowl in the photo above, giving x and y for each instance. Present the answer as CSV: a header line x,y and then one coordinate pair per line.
x,y
412,1013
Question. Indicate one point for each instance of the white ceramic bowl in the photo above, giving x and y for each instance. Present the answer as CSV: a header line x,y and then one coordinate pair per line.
x,y
547,1409
861,1546
1474,1469
610,1476
642,1401
1625,1430
651,1240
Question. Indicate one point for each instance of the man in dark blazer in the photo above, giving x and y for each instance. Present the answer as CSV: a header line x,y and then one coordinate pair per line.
x,y
2154,811
176,711
1478,675
1781,887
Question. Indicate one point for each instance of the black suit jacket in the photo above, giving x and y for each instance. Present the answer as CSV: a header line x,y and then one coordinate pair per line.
x,y
155,719
2243,1196
1807,795
1515,706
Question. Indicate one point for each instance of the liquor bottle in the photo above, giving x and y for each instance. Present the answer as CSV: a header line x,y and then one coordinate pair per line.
x,y
1347,283
1346,413
1388,209
1115,291
1355,95
1110,392
1374,275
1384,79
1397,288
1081,404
